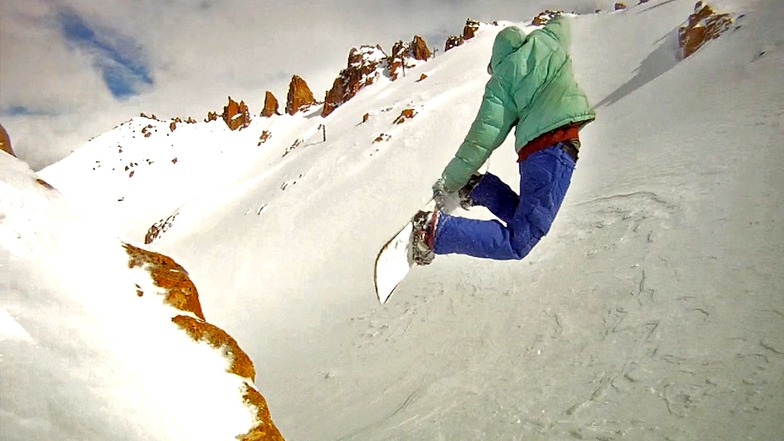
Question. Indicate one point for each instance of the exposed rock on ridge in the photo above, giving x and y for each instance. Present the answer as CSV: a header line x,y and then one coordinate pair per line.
x,y
270,105
366,64
543,17
362,70
236,115
5,142
299,96
470,28
469,32
181,293
703,25
404,53
453,42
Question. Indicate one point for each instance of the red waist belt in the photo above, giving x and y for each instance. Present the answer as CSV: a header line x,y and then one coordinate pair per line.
x,y
545,140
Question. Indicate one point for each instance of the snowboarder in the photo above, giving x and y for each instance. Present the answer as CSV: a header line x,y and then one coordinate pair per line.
x,y
531,89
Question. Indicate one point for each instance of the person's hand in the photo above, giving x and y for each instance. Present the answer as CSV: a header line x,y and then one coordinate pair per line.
x,y
445,201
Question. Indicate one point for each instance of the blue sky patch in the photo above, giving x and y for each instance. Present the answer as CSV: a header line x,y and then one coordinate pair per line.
x,y
118,58
17,110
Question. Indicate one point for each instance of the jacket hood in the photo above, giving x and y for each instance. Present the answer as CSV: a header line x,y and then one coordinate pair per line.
x,y
512,38
507,41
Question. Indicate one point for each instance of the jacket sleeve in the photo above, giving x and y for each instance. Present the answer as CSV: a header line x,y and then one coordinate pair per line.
x,y
492,124
560,29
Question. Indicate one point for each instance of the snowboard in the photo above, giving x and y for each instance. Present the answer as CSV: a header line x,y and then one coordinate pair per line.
x,y
394,260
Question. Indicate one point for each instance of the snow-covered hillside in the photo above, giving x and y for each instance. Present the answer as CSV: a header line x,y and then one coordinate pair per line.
x,y
653,310
100,340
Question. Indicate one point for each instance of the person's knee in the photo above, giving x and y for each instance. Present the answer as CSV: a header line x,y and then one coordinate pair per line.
x,y
522,244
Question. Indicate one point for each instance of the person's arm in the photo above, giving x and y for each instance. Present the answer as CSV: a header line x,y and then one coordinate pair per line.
x,y
495,119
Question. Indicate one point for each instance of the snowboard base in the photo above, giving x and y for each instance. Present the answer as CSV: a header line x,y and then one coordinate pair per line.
x,y
394,261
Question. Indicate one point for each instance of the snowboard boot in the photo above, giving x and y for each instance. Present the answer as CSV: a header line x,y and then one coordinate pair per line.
x,y
465,192
423,237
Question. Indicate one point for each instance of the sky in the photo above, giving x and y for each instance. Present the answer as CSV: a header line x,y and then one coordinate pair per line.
x,y
73,69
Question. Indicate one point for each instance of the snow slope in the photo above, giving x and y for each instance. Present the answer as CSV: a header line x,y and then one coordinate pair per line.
x,y
88,348
653,309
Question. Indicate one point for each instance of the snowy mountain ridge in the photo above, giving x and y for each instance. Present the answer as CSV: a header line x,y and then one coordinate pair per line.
x,y
144,157
651,311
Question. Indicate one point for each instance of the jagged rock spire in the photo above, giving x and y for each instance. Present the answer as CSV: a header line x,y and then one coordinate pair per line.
x,y
270,105
5,142
361,70
299,95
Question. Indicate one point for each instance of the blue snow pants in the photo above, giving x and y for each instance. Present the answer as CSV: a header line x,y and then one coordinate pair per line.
x,y
544,179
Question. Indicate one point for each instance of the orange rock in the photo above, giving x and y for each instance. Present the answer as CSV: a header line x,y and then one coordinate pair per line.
x,y
211,116
200,330
44,184
453,42
703,25
422,77
265,135
544,17
470,28
419,49
402,52
382,137
404,115
181,293
619,6
270,105
5,142
264,430
361,70
299,96
236,115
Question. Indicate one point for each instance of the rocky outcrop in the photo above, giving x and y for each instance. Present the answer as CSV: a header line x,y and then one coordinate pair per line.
x,y
543,17
264,137
236,115
177,120
180,293
419,49
469,32
619,6
703,25
453,42
405,55
299,97
400,52
160,227
470,28
270,105
211,116
404,115
5,142
363,68
168,275
153,117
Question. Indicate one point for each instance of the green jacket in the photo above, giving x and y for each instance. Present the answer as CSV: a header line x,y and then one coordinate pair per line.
x,y
532,88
